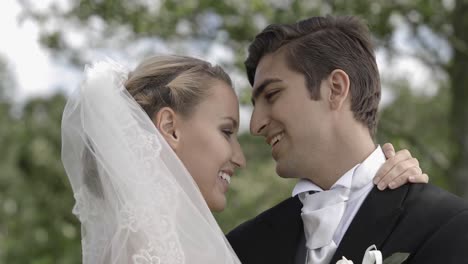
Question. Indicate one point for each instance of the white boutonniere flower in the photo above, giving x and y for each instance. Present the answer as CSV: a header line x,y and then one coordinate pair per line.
x,y
343,260
374,256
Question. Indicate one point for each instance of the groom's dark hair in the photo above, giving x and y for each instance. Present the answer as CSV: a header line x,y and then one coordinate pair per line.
x,y
315,47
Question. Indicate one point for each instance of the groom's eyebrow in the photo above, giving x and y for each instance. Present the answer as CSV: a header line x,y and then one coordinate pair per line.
x,y
256,92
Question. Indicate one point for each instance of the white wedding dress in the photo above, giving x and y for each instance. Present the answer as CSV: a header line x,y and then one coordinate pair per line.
x,y
134,198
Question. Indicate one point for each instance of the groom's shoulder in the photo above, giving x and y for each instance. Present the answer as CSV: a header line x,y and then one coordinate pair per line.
x,y
440,200
426,201
433,220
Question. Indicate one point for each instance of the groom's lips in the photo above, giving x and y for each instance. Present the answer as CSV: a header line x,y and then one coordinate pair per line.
x,y
274,138
275,150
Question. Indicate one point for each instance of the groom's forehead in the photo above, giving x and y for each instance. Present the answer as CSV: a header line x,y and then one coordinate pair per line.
x,y
271,68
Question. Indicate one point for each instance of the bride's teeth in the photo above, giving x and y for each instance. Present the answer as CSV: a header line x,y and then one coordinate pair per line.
x,y
225,177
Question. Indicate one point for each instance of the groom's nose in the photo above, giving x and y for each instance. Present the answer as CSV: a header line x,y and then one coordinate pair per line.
x,y
259,121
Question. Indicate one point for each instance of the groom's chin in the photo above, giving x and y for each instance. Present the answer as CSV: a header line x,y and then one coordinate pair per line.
x,y
283,171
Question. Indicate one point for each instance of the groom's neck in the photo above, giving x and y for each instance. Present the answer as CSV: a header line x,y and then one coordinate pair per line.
x,y
350,147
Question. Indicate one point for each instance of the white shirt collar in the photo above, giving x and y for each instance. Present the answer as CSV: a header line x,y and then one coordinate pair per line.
x,y
368,167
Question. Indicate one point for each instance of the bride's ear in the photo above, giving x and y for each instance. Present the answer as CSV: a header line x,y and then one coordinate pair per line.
x,y
166,122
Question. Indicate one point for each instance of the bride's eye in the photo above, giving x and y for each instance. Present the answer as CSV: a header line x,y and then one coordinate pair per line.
x,y
227,132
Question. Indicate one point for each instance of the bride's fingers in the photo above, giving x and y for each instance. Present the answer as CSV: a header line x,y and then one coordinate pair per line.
x,y
393,163
421,178
397,170
404,177
388,150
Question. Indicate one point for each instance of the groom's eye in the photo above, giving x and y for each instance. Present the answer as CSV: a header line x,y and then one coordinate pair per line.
x,y
270,95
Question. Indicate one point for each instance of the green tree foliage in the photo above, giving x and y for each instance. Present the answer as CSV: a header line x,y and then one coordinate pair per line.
x,y
421,124
36,223
7,82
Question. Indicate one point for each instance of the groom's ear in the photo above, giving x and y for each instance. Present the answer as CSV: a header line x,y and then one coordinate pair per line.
x,y
166,122
338,81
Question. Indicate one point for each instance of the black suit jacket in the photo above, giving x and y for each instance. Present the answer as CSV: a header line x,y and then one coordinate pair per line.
x,y
423,220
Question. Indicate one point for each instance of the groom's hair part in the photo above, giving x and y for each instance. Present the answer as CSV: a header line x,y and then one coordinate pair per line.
x,y
315,47
178,82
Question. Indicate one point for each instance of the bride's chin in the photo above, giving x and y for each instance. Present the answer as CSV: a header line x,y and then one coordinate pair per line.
x,y
218,206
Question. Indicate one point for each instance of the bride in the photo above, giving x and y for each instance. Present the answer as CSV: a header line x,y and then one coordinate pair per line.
x,y
149,154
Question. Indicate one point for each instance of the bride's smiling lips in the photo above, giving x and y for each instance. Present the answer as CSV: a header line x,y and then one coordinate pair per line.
x,y
226,175
225,178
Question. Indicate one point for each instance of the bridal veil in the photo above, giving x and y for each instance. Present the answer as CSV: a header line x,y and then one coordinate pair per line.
x,y
134,198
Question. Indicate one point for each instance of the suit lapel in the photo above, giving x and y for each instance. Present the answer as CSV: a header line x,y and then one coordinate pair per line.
x,y
286,230
373,223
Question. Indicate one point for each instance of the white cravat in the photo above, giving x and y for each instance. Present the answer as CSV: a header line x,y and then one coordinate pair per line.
x,y
326,221
321,214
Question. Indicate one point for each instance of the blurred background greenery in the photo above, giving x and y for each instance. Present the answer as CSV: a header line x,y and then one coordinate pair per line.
x,y
36,224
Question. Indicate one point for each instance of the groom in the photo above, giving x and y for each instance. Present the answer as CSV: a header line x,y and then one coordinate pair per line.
x,y
316,91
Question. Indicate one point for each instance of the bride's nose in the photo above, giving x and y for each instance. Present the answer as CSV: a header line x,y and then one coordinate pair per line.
x,y
238,157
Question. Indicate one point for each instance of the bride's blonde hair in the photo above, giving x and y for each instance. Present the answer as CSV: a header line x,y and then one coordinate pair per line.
x,y
177,82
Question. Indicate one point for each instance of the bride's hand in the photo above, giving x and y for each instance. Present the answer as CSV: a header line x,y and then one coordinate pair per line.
x,y
399,169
